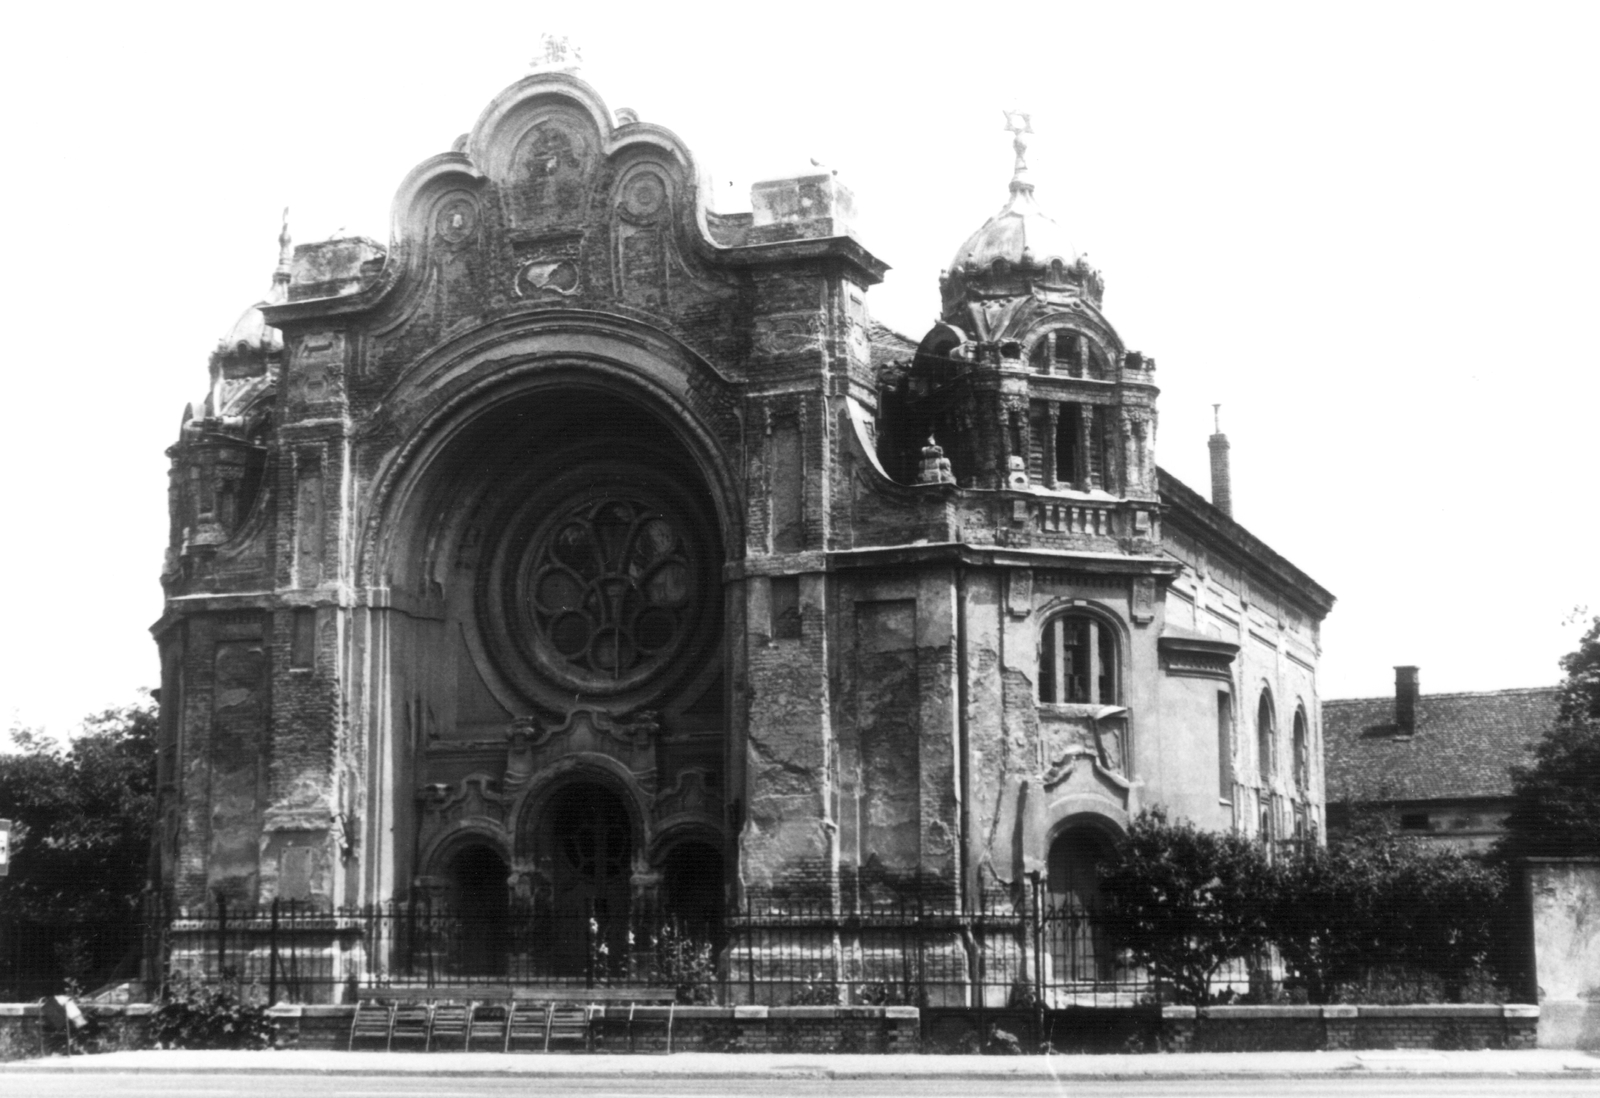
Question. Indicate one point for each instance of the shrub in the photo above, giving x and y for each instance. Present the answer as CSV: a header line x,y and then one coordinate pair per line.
x,y
1184,902
688,966
219,1014
1377,902
815,991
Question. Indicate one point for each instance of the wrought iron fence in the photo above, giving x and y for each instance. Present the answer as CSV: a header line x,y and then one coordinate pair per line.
x,y
1010,952
44,958
1007,953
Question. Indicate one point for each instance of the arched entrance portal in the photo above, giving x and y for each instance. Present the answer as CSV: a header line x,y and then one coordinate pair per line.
x,y
691,885
590,842
1078,952
482,902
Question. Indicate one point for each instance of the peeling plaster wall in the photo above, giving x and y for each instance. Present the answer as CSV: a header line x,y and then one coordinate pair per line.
x,y
1564,898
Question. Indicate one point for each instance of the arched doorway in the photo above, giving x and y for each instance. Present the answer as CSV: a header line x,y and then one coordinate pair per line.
x,y
1078,952
692,889
482,904
590,840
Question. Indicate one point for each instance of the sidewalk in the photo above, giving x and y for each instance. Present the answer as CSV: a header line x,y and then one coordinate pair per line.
x,y
1538,1062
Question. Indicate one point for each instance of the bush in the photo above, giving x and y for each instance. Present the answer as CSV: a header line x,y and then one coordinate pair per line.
x,y
1184,902
815,991
688,966
1377,904
220,1014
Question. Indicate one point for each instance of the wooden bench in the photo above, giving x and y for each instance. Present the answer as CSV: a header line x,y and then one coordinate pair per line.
x,y
449,1029
373,1019
412,1020
506,1017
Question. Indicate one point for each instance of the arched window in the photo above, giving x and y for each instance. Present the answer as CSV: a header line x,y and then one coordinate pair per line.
x,y
1302,752
1078,660
1070,353
1224,745
1266,736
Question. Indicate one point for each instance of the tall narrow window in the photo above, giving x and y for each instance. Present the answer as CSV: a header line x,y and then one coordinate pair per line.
x,y
1302,753
1069,353
1224,745
1078,661
1266,737
1069,452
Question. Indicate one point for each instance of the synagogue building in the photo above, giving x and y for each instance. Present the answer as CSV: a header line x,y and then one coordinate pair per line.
x,y
582,549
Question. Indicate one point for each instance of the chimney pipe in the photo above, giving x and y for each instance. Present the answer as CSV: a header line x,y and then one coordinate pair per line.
x,y
1221,487
1405,700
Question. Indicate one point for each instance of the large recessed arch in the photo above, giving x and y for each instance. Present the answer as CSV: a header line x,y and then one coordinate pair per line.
x,y
536,355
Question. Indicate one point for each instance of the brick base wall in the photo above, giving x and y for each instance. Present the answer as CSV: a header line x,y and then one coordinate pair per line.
x,y
1285,1028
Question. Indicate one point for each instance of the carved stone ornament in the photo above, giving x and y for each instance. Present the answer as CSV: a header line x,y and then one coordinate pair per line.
x,y
520,739
548,276
788,334
690,795
476,796
1076,731
316,372
457,220
1144,600
644,196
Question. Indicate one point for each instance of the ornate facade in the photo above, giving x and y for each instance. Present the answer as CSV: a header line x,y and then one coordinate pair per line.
x,y
584,547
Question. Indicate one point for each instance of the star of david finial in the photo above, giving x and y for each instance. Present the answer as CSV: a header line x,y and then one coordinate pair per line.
x,y
557,49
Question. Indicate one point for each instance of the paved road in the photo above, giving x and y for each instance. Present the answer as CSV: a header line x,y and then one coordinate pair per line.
x,y
778,1085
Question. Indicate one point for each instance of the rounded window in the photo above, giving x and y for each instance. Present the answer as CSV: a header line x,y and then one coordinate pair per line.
x,y
1078,660
1266,736
601,583
609,587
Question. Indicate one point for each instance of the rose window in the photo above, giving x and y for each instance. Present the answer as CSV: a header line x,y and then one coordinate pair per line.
x,y
609,587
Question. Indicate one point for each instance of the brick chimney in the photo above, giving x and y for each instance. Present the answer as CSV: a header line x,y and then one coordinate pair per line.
x,y
1221,488
1405,700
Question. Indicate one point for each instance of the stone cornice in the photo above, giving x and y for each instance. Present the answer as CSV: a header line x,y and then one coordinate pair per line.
x,y
1187,511
951,553
1192,656
846,251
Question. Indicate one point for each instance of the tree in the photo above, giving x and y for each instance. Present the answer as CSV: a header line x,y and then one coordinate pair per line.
x,y
1558,793
1185,902
82,817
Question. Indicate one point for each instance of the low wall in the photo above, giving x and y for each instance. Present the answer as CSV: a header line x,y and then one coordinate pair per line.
x,y
1306,1028
23,1028
680,1029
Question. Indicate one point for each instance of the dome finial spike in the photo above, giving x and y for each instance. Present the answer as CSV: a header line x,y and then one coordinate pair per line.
x,y
1018,124
280,277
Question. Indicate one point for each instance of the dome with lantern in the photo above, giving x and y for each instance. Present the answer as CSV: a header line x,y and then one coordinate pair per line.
x,y
1019,250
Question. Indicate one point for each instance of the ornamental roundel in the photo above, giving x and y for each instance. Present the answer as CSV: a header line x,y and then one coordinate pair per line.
x,y
602,586
457,220
609,586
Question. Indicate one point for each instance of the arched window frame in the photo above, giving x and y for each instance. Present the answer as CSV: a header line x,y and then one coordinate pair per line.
x,y
1103,647
1301,747
1266,736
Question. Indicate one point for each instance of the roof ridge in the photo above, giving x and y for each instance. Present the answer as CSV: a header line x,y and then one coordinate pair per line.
x,y
1451,694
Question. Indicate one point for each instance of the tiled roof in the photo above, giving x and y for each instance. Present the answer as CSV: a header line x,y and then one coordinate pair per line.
x,y
889,345
1464,746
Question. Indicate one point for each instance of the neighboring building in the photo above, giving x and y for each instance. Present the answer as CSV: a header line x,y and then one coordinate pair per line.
x,y
1436,765
586,548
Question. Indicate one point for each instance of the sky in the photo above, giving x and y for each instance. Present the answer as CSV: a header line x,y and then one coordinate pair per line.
x,y
1368,231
